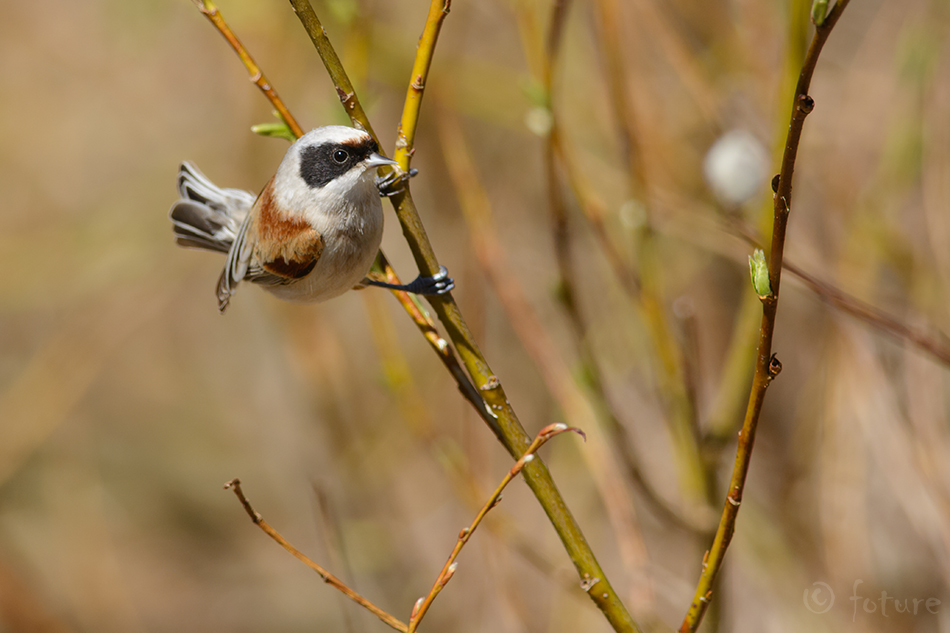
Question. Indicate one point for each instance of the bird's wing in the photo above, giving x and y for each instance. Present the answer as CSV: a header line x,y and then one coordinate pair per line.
x,y
282,250
237,264
289,259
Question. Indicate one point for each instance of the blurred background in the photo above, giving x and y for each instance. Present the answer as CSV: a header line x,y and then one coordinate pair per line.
x,y
127,401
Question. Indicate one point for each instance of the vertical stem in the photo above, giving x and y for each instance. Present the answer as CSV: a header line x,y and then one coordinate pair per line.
x,y
766,366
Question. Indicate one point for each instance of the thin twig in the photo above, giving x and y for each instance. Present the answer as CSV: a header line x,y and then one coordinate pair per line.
x,y
515,439
575,402
405,140
766,367
448,570
330,579
936,346
211,12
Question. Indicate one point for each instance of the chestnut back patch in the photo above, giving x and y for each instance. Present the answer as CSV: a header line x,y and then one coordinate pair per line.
x,y
292,269
274,226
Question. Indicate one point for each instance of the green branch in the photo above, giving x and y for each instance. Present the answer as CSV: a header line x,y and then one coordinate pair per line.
x,y
504,420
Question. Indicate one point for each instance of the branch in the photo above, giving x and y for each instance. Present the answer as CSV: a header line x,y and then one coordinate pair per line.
x,y
330,579
936,346
767,366
681,411
211,12
574,401
405,141
509,427
448,570
560,227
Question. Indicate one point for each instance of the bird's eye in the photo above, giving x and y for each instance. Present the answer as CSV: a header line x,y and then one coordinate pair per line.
x,y
340,156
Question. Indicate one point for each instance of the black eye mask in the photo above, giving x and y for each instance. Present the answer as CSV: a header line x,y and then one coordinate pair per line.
x,y
321,164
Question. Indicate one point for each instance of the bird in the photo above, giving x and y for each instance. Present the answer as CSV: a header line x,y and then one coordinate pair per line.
x,y
314,230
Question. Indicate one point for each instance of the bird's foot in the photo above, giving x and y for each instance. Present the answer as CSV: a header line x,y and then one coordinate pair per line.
x,y
395,182
437,284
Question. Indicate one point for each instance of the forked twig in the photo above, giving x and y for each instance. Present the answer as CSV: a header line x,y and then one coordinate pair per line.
x,y
330,579
448,570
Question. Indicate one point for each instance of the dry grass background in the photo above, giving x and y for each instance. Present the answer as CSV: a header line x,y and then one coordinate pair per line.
x,y
126,401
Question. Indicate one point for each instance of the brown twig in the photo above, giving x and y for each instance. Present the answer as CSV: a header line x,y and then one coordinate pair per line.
x,y
448,570
211,12
936,346
574,401
330,579
766,366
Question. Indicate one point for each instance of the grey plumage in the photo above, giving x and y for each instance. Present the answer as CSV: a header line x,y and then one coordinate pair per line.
x,y
207,217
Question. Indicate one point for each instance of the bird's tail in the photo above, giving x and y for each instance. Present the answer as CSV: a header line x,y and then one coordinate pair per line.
x,y
207,216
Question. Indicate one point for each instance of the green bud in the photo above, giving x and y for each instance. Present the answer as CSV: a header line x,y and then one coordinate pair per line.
x,y
759,269
278,129
819,10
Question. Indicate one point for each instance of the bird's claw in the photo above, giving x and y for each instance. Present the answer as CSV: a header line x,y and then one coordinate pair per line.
x,y
395,182
438,284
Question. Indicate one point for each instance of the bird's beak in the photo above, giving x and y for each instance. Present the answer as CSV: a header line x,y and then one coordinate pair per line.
x,y
378,160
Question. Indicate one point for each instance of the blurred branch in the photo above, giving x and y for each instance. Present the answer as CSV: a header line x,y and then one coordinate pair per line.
x,y
22,608
330,579
575,403
936,346
594,210
562,233
516,440
448,570
681,411
766,367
